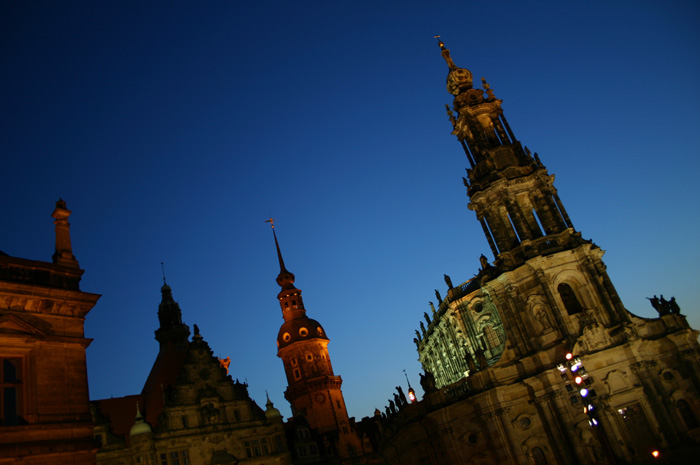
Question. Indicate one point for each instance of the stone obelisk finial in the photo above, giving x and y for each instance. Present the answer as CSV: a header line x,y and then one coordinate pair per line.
x,y
64,250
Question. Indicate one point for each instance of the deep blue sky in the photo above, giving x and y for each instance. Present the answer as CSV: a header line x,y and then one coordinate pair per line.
x,y
174,129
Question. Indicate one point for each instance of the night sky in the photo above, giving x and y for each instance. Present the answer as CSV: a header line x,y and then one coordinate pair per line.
x,y
173,130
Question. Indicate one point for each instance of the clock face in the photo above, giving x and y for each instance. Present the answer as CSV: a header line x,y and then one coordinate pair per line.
x,y
320,398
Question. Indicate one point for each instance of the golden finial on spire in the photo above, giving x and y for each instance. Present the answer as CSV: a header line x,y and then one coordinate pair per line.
x,y
271,221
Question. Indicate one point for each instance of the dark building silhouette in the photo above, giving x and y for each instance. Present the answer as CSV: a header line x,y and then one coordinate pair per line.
x,y
190,410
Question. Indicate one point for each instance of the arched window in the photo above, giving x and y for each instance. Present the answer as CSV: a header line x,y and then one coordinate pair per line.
x,y
569,298
537,456
689,418
491,337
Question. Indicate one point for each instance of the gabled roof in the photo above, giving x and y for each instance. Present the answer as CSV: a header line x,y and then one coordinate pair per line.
x,y
163,375
120,412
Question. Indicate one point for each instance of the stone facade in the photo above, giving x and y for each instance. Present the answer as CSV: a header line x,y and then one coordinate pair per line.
x,y
536,360
190,412
44,405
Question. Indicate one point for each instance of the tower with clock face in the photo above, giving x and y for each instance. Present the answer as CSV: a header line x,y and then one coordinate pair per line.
x,y
313,390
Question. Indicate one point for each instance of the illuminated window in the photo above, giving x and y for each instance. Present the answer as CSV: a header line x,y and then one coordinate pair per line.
x,y
568,297
10,391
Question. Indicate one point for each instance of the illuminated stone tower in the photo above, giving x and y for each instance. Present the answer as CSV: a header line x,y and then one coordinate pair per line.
x,y
313,390
546,281
501,348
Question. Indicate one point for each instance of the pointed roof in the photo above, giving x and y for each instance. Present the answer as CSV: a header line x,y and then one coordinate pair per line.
x,y
271,411
297,326
458,79
140,426
286,278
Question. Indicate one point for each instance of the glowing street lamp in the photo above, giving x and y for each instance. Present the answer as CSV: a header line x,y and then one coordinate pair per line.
x,y
411,391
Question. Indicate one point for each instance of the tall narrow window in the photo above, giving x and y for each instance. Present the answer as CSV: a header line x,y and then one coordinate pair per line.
x,y
10,391
568,297
515,230
491,337
538,222
689,418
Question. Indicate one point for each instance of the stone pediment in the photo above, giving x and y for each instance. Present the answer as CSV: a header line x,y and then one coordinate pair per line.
x,y
11,324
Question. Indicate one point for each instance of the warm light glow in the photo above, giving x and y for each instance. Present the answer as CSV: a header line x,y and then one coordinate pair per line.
x,y
412,395
578,380
561,367
655,454
569,356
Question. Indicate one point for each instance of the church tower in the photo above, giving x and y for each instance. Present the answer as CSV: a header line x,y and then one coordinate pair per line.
x,y
313,390
171,329
542,264
535,359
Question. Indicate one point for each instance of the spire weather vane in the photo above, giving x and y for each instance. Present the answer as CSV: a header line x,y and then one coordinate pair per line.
x,y
162,267
272,222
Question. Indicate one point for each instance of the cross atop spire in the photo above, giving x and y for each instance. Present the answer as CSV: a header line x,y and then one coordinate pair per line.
x,y
162,267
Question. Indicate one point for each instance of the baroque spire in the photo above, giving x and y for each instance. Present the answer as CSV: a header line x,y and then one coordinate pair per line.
x,y
171,329
289,296
458,79
510,191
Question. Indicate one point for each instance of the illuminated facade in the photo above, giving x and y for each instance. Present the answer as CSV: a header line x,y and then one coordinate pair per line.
x,y
44,405
190,411
499,387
